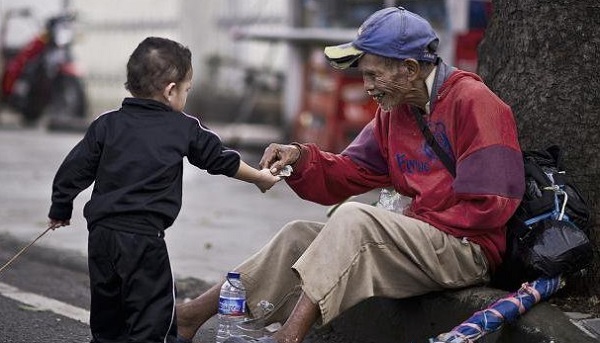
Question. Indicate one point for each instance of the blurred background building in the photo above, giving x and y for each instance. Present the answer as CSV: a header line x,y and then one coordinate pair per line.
x,y
255,61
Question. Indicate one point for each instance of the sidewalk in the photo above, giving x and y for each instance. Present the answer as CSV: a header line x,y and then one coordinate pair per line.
x,y
253,137
222,220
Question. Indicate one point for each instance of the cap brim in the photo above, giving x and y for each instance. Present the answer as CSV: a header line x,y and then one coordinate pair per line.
x,y
343,56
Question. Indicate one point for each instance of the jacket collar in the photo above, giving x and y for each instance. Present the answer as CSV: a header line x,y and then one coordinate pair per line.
x,y
442,73
146,104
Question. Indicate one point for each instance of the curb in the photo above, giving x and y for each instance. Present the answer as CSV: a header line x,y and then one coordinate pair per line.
x,y
420,318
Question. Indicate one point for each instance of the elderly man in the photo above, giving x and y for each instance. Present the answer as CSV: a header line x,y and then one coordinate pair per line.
x,y
466,180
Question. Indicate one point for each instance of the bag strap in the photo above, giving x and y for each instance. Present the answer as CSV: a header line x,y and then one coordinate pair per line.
x,y
433,143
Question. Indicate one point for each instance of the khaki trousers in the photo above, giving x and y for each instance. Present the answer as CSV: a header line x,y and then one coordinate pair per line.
x,y
362,251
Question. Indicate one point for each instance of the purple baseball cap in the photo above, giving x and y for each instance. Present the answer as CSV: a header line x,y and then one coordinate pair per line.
x,y
391,32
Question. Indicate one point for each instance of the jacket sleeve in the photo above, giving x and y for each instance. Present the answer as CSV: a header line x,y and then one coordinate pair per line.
x,y
206,151
485,197
328,178
76,173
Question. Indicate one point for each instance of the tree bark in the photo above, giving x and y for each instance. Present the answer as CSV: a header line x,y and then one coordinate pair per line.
x,y
541,57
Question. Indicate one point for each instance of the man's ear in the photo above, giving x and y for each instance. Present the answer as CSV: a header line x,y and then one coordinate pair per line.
x,y
168,91
413,67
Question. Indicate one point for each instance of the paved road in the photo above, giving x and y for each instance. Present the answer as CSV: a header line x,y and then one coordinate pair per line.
x,y
39,274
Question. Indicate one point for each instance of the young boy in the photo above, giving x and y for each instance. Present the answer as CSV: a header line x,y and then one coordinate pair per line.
x,y
135,157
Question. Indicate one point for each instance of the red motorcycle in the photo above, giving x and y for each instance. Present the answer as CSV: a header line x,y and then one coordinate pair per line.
x,y
41,80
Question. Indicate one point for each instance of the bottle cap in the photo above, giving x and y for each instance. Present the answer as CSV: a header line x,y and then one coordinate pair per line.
x,y
233,275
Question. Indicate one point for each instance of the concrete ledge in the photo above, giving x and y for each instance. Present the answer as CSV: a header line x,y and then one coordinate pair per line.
x,y
418,319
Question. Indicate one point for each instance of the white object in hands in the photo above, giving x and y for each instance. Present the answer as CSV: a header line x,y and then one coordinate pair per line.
x,y
393,201
285,171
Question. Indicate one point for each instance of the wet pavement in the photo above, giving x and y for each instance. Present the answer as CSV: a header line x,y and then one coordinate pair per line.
x,y
40,273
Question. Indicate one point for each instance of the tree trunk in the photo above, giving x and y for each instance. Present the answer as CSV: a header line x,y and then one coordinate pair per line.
x,y
541,57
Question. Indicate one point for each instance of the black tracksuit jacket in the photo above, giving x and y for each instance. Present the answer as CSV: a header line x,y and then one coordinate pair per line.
x,y
135,157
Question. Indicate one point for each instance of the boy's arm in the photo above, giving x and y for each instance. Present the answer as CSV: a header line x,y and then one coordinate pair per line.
x,y
263,179
76,173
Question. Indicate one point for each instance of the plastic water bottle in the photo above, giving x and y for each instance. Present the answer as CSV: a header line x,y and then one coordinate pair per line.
x,y
232,307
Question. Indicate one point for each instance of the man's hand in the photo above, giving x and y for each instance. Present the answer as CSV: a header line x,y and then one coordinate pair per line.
x,y
56,223
276,156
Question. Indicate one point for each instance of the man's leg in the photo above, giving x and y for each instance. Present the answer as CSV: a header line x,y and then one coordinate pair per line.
x,y
302,318
192,314
267,275
364,251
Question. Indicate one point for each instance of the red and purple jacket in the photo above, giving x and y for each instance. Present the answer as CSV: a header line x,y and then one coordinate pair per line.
x,y
471,124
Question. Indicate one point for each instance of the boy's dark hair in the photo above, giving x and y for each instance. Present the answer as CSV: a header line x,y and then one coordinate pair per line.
x,y
154,64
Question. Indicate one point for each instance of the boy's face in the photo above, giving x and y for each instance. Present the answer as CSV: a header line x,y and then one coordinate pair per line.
x,y
180,92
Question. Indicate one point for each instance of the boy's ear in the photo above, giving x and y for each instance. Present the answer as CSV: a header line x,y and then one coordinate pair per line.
x,y
168,91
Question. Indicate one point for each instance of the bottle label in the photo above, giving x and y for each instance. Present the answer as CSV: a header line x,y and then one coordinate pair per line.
x,y
232,306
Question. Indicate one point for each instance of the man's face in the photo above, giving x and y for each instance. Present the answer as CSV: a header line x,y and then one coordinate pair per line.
x,y
385,80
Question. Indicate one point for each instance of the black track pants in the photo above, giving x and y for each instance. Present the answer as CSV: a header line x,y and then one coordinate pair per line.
x,y
132,288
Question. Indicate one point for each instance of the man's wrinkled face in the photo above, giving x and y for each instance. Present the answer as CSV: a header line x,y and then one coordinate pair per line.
x,y
385,80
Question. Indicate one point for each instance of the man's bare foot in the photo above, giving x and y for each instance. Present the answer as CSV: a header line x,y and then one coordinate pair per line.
x,y
192,314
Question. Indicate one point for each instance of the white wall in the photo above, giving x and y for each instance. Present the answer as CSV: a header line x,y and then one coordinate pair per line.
x,y
21,30
208,27
108,32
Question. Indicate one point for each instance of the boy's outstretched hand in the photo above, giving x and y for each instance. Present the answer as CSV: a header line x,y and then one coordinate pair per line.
x,y
266,180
